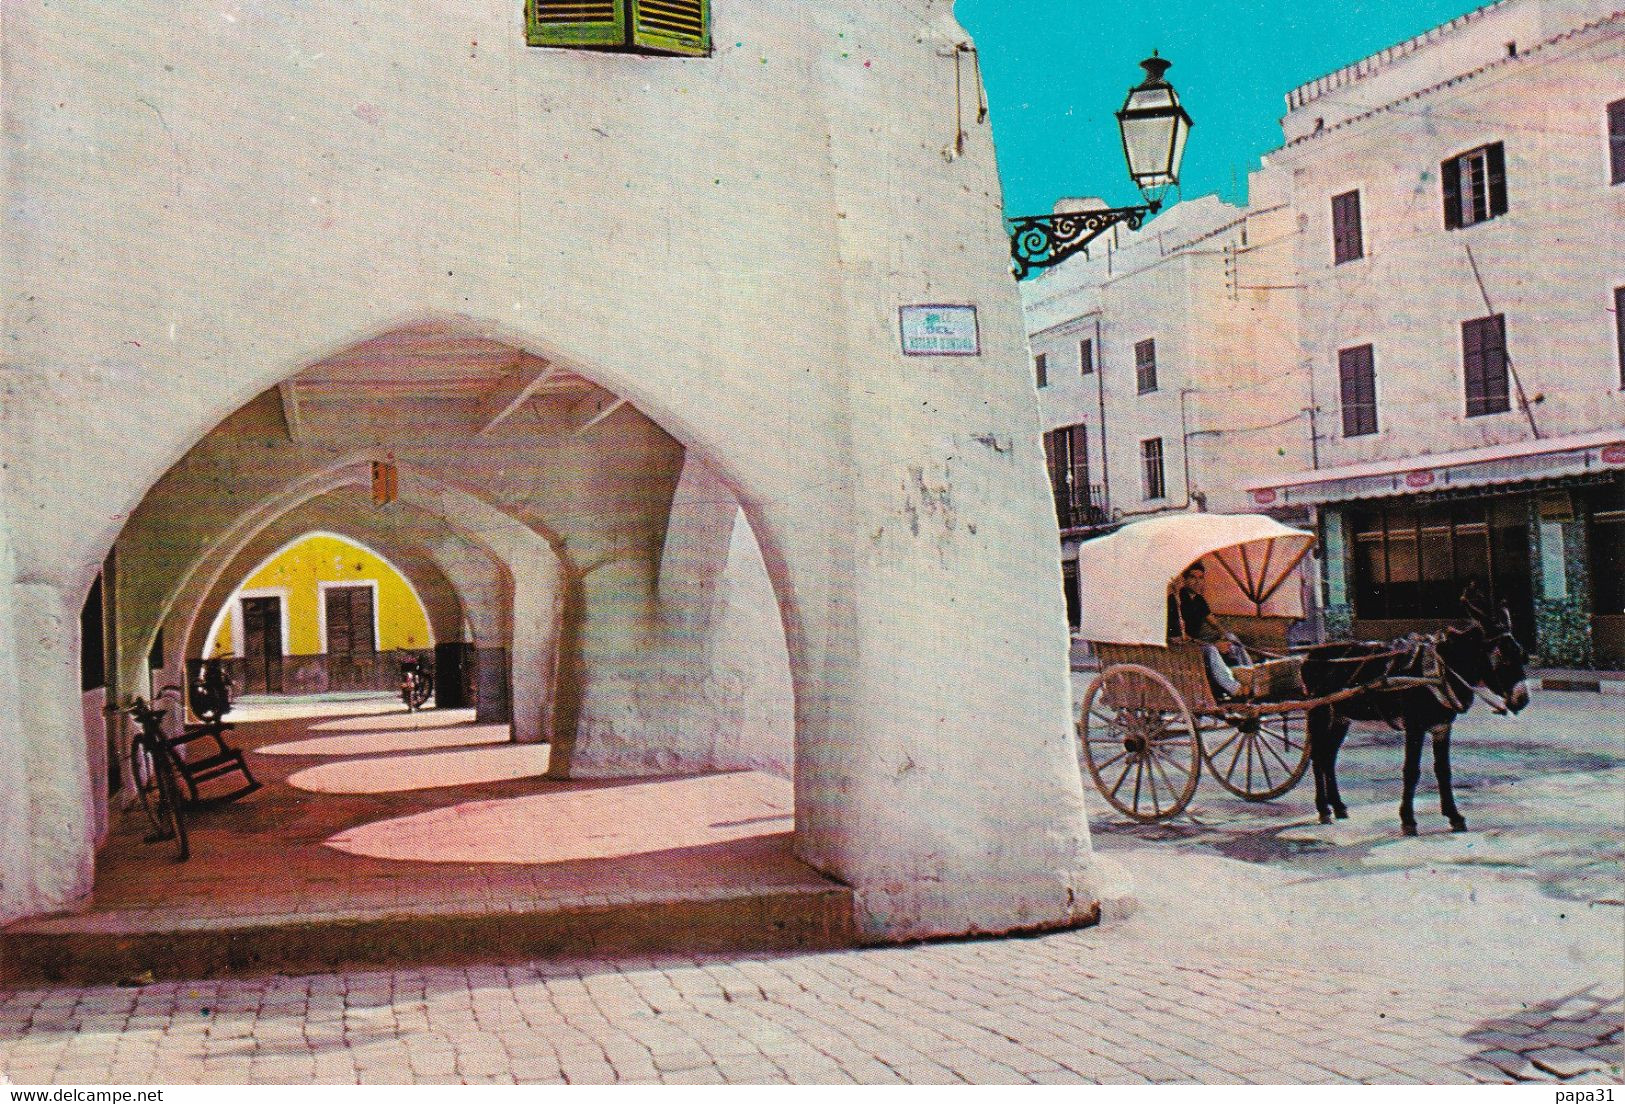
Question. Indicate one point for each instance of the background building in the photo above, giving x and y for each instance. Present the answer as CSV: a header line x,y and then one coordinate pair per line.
x,y
1462,197
324,613
1421,304
1167,368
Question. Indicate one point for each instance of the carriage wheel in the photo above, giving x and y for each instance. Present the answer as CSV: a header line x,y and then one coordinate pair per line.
x,y
1139,743
1262,757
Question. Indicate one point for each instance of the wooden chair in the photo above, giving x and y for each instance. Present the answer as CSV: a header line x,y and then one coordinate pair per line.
x,y
217,762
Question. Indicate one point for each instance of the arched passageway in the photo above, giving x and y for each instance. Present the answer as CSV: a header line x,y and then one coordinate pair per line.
x,y
494,253
606,578
661,561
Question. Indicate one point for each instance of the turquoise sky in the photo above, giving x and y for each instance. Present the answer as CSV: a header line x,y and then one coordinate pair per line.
x,y
1056,70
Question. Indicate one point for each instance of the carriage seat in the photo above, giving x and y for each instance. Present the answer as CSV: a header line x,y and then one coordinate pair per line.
x,y
1267,633
1278,679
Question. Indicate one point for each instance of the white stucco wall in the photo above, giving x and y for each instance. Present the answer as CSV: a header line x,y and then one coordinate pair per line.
x,y
1478,38
200,202
1549,265
752,663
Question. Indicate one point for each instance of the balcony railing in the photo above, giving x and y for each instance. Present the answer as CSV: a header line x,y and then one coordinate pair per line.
x,y
1080,506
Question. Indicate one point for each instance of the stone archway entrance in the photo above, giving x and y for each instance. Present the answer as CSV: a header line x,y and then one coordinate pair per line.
x,y
646,529
602,569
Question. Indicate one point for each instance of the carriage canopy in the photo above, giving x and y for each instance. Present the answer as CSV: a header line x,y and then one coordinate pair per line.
x,y
1251,563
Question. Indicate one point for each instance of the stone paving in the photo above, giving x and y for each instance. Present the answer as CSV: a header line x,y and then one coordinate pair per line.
x,y
382,838
1263,948
1068,1007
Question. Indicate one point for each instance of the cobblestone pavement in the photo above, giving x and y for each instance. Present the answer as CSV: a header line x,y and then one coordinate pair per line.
x,y
1067,1007
1264,948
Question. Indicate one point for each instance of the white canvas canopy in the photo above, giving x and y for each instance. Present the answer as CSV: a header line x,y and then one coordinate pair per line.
x,y
1123,578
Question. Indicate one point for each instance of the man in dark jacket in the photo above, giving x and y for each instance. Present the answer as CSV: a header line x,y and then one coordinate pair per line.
x,y
1190,618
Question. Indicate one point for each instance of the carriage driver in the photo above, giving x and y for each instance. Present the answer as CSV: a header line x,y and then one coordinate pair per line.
x,y
1189,617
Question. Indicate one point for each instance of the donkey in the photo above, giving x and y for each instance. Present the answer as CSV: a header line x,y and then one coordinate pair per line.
x,y
1484,658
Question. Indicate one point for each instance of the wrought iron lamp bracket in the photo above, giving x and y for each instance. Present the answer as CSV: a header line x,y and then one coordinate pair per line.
x,y
1038,241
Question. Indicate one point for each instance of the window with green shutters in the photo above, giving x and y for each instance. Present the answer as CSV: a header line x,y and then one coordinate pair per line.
x,y
638,26
1475,186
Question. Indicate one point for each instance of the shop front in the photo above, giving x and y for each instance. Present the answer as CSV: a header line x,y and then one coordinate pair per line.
x,y
1537,526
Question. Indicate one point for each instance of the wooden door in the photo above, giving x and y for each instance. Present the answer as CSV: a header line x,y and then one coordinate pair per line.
x,y
351,642
262,645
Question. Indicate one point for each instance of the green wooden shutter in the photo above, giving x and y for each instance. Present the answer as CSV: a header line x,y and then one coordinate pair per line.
x,y
575,22
1450,172
673,26
1496,156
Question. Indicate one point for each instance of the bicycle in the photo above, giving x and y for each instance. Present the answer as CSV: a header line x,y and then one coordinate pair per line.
x,y
417,684
156,774
212,690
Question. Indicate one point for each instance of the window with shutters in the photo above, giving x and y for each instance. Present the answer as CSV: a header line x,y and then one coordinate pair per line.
x,y
1041,369
1484,365
1086,357
1357,384
638,26
1066,451
1145,365
1347,241
1475,186
1616,142
1152,482
1619,331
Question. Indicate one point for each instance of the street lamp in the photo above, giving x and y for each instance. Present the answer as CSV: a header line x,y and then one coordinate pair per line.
x,y
1154,126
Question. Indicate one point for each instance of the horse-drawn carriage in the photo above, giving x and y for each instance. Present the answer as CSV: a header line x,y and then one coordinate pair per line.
x,y
1152,716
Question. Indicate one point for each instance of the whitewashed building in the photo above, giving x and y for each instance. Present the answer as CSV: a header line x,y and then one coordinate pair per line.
x,y
1462,198
1434,320
1166,367
626,303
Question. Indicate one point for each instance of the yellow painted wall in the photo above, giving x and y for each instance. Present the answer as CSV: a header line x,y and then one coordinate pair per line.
x,y
402,621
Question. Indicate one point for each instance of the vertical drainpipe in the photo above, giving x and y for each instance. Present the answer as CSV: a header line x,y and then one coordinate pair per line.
x,y
1185,444
1100,392
1314,429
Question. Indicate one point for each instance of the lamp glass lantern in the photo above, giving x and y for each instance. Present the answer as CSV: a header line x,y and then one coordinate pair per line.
x,y
1155,126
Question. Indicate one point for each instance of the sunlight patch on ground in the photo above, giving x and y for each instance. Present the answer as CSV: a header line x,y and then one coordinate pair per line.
x,y
277,708
602,822
429,718
376,742
399,773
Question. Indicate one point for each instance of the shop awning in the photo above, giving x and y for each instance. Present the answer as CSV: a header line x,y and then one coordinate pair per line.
x,y
1491,465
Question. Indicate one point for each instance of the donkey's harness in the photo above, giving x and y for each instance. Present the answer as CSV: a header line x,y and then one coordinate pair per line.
x,y
1419,652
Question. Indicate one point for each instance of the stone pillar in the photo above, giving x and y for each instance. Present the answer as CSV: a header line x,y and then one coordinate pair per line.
x,y
747,707
601,726
719,655
47,826
493,698
15,858
537,594
936,769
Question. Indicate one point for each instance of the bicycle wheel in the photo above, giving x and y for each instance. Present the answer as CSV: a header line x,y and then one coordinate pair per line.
x,y
169,803
144,774
160,793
